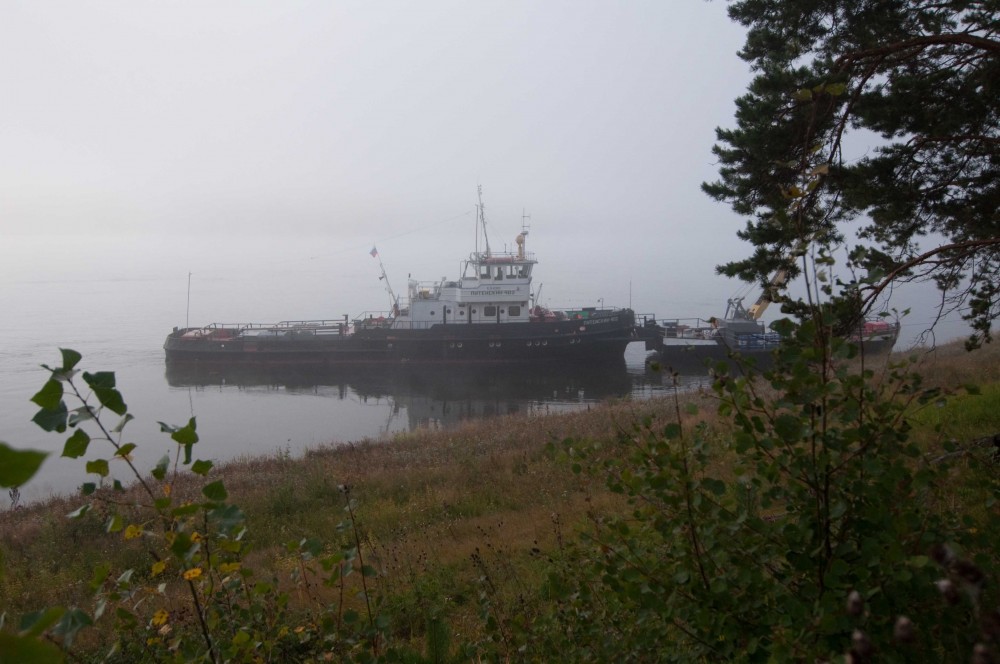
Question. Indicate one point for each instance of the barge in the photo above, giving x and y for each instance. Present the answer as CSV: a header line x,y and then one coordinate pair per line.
x,y
686,344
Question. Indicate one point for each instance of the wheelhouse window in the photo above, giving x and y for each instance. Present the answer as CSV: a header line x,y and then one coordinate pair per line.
x,y
489,311
514,310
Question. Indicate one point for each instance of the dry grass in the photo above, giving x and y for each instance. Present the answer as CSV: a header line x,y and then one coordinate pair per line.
x,y
441,489
951,366
435,508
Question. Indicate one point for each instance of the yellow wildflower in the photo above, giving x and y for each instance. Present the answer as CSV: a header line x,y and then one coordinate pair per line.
x,y
160,617
159,566
192,574
132,532
196,536
166,490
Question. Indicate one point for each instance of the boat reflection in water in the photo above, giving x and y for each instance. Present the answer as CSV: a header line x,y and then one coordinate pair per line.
x,y
436,396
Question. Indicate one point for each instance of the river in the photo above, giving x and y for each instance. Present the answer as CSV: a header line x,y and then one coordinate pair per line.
x,y
114,301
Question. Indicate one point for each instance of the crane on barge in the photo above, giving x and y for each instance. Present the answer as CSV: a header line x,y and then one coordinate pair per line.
x,y
874,335
736,311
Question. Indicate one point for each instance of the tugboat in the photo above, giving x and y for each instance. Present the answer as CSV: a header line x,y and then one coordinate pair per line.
x,y
487,315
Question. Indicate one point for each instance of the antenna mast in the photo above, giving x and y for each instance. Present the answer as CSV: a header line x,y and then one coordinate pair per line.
x,y
482,222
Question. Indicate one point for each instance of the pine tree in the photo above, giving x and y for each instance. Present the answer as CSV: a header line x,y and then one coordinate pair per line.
x,y
883,112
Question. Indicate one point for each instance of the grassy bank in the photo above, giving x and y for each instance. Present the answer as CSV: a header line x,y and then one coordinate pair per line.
x,y
429,496
439,511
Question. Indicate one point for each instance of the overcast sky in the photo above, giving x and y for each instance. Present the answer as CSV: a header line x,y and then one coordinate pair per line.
x,y
340,115
360,123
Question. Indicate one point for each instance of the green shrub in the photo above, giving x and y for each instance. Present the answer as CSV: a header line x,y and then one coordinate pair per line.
x,y
819,529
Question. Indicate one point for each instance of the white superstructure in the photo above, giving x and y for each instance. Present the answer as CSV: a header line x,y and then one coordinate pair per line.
x,y
494,288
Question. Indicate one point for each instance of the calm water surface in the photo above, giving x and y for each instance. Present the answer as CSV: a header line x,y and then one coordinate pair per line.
x,y
117,311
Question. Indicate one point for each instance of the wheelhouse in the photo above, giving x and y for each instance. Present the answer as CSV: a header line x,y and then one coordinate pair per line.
x,y
495,288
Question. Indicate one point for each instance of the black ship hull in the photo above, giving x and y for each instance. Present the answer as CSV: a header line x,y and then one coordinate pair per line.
x,y
687,356
602,337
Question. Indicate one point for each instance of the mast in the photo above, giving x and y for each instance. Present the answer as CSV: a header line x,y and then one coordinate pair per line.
x,y
481,222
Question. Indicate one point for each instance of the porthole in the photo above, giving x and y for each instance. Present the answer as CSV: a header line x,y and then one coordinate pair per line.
x,y
529,344
459,344
545,343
